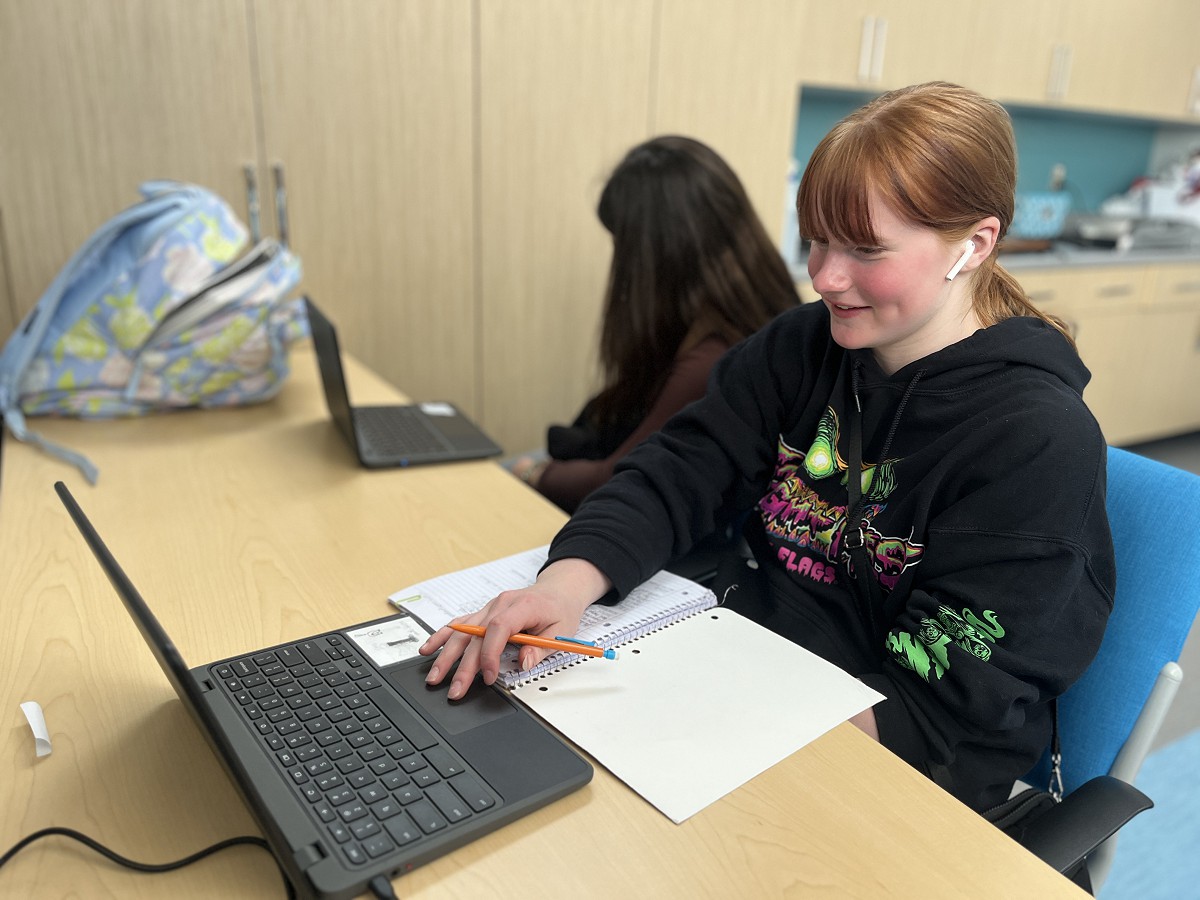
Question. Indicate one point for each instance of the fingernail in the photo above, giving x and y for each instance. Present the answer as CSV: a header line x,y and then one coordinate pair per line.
x,y
433,676
455,691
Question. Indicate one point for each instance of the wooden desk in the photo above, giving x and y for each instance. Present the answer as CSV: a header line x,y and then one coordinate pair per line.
x,y
247,527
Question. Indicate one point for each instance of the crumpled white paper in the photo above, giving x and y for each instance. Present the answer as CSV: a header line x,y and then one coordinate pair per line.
x,y
37,722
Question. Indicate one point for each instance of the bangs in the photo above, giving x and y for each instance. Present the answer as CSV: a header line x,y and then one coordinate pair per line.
x,y
833,202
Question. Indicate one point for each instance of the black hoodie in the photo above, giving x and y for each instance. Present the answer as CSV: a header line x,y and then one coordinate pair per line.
x,y
983,510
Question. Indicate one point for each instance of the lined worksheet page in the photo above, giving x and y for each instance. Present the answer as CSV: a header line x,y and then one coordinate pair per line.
x,y
691,712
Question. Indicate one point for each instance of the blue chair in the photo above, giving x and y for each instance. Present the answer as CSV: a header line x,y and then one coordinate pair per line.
x,y
1108,719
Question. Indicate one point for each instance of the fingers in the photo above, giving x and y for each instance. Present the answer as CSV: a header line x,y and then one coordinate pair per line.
x,y
466,656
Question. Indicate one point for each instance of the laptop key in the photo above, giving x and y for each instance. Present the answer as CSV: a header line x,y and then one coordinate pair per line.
x,y
449,804
426,816
364,828
351,811
377,846
408,794
472,791
313,652
417,732
372,792
440,759
426,777
290,656
395,780
385,809
402,829
325,811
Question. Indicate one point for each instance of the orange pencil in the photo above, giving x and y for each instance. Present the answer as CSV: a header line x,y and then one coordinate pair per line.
x,y
568,645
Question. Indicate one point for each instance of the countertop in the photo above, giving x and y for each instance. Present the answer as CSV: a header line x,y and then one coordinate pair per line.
x,y
1062,255
1066,255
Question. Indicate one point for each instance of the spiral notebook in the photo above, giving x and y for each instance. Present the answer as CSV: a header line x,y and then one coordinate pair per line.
x,y
699,701
657,603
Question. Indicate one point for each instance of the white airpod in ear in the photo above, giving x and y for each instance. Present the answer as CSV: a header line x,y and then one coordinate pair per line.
x,y
962,261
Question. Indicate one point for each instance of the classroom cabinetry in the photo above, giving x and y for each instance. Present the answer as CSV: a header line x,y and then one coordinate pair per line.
x,y
1017,50
881,44
1138,331
1100,55
1137,59
1172,361
443,159
366,109
100,97
564,91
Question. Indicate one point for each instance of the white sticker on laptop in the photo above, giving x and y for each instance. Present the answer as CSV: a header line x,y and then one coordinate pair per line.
x,y
390,642
437,409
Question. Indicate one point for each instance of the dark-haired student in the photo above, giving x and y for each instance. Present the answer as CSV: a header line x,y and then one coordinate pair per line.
x,y
692,273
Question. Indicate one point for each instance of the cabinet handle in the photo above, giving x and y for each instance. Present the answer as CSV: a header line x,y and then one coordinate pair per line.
x,y
1060,72
1186,287
865,45
877,48
281,204
252,208
1115,290
1039,297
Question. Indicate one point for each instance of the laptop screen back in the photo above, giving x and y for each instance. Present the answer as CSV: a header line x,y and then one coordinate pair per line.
x,y
333,378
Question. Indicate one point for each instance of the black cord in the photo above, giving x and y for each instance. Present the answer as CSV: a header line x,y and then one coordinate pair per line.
x,y
144,867
381,887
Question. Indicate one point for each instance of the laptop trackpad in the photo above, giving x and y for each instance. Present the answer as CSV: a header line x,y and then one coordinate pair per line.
x,y
481,704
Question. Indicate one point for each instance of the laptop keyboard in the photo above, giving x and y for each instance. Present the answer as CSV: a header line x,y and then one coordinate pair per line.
x,y
397,431
371,772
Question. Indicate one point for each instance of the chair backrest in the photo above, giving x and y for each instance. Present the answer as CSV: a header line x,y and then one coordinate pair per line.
x,y
1152,509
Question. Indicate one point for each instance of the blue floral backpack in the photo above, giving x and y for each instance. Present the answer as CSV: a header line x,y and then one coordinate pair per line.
x,y
165,307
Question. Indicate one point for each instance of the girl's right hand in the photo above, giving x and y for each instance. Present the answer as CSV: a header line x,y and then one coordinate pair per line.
x,y
551,607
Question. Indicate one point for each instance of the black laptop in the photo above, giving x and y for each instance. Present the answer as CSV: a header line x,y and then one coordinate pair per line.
x,y
351,765
398,435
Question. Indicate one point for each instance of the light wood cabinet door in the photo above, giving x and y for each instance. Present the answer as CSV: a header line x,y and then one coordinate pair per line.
x,y
1015,49
1176,285
1139,60
367,105
881,44
564,92
1102,307
1111,343
728,73
1172,352
101,95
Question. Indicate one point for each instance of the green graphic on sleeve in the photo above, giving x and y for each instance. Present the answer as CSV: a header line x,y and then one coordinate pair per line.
x,y
925,652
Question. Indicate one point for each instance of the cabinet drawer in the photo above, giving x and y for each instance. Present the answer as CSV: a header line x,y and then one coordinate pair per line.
x,y
1069,292
1046,288
1175,285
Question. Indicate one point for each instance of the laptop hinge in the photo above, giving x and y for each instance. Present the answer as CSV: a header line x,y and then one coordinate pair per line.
x,y
308,856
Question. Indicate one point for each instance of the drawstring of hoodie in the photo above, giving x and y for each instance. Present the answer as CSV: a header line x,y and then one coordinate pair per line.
x,y
854,542
908,392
